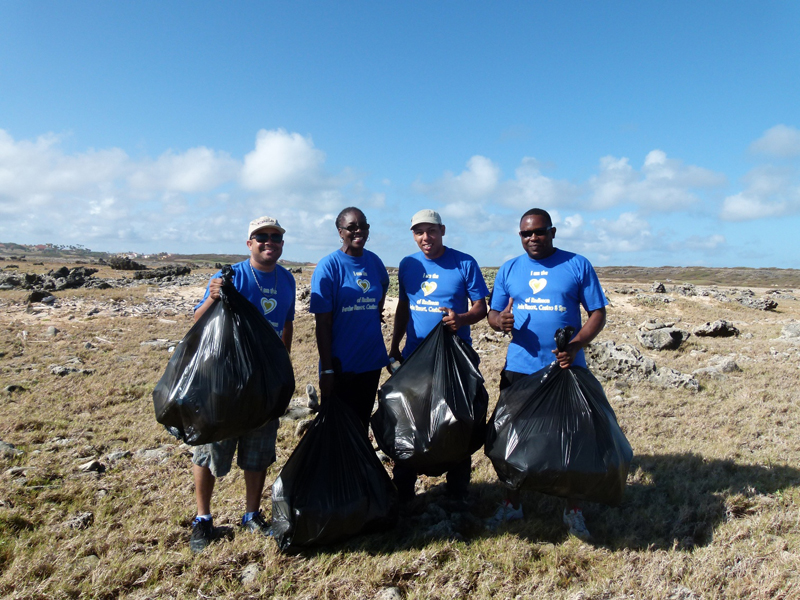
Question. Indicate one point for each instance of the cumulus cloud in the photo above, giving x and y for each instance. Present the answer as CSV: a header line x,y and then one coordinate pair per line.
x,y
477,182
770,192
196,170
781,141
662,185
282,160
200,196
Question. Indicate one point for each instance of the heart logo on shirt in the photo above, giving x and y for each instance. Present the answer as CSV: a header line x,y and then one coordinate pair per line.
x,y
268,304
363,284
428,287
537,285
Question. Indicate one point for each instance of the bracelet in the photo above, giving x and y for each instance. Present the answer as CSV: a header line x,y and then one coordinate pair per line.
x,y
327,372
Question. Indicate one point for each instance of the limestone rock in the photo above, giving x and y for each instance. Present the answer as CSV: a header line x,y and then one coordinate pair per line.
x,y
8,450
249,573
720,328
791,331
758,303
80,521
390,593
665,338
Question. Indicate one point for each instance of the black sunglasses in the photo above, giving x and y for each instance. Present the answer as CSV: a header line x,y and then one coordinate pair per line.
x,y
356,226
263,238
542,231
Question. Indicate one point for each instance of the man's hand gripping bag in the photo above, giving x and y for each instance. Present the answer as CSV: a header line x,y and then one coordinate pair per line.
x,y
554,432
432,410
333,486
229,375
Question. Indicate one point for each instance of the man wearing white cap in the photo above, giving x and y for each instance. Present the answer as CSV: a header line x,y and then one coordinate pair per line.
x,y
436,284
271,289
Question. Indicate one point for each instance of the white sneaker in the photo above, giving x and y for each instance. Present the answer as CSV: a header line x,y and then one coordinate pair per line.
x,y
505,512
576,523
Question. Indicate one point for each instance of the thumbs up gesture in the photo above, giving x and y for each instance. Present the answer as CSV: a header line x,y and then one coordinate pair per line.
x,y
506,318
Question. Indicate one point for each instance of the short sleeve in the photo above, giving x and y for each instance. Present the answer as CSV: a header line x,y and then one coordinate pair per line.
x,y
322,287
500,296
476,286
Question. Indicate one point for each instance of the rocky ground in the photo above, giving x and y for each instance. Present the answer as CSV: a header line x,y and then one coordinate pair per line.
x,y
701,377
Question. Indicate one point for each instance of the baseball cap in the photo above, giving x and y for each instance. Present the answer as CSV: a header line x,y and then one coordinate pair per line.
x,y
263,223
426,215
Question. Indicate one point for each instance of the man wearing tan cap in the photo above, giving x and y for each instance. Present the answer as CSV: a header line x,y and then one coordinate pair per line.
x,y
436,284
271,288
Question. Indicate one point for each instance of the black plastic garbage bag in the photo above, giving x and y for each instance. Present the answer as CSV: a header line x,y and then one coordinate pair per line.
x,y
333,486
432,411
229,375
554,432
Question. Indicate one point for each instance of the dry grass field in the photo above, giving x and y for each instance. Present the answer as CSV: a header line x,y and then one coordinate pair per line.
x,y
712,508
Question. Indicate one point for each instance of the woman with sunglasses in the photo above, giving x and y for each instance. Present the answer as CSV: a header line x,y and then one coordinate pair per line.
x,y
348,289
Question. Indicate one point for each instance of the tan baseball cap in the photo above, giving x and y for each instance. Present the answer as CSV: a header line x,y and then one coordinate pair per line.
x,y
426,215
263,223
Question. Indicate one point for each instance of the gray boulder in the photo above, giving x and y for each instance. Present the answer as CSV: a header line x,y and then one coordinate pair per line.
x,y
655,334
791,331
764,303
658,288
720,328
625,362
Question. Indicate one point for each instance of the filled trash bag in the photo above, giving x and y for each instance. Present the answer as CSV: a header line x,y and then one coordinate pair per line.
x,y
554,432
333,486
229,375
432,411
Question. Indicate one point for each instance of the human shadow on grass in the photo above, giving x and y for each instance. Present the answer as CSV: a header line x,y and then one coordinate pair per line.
x,y
678,500
671,501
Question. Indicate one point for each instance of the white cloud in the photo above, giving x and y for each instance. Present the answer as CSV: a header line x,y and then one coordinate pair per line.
x,y
701,243
628,233
104,198
532,189
781,141
770,192
282,160
477,182
196,170
662,185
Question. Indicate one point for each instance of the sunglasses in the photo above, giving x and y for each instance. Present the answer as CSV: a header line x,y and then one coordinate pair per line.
x,y
542,231
263,238
356,226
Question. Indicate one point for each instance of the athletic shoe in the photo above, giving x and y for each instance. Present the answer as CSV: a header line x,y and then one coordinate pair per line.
x,y
258,524
505,513
576,523
202,534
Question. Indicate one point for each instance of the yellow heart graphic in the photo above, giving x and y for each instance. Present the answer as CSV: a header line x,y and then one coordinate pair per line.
x,y
428,287
268,304
363,284
537,285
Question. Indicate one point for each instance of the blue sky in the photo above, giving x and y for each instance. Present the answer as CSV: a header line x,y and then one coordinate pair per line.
x,y
655,133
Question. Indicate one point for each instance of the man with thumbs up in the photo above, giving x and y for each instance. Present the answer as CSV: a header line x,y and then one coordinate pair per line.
x,y
535,294
436,284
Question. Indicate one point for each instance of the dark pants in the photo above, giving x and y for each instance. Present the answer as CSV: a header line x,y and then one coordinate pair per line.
x,y
457,479
509,378
358,391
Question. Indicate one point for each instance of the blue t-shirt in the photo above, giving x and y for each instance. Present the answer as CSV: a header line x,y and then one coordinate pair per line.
x,y
447,281
277,304
547,295
351,287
